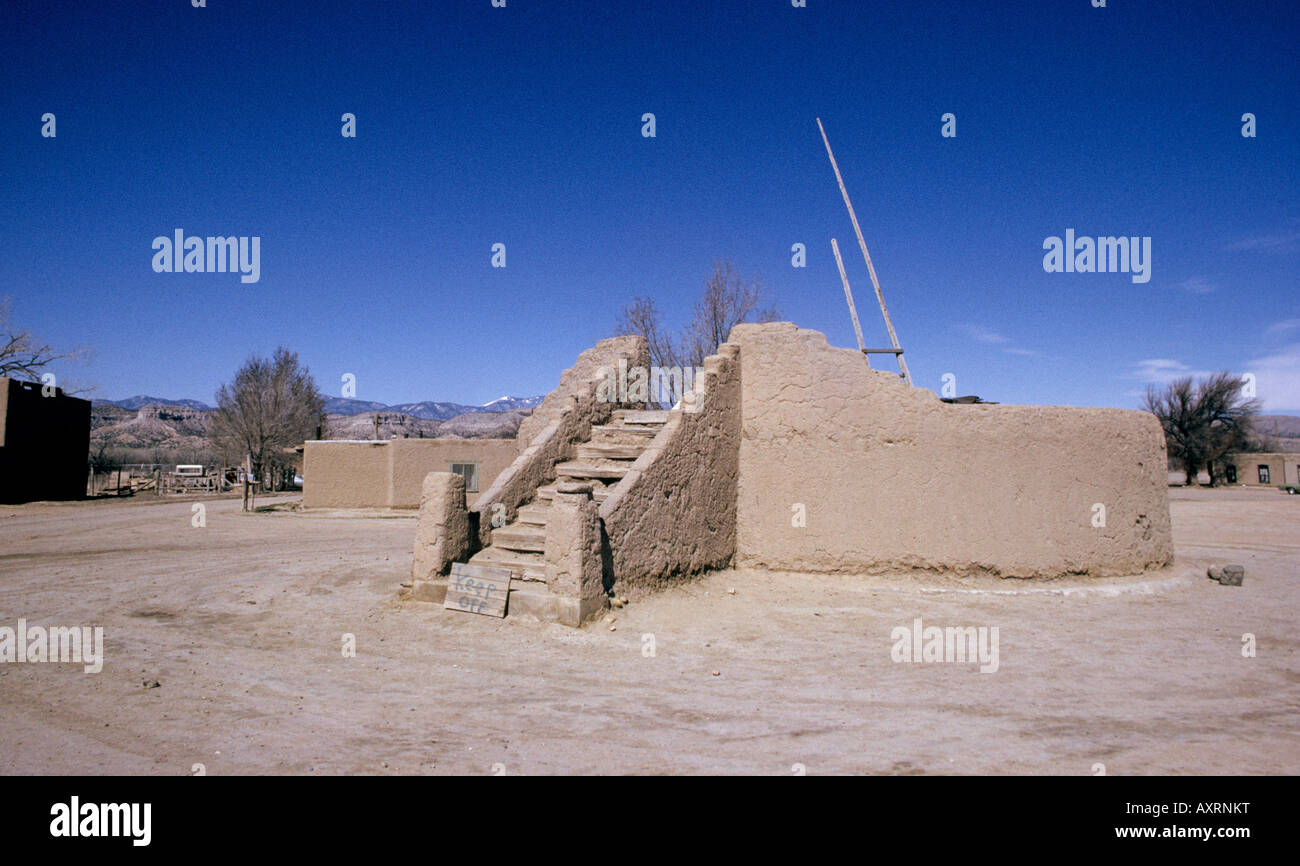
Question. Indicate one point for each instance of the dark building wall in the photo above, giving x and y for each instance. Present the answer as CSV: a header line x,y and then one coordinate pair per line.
x,y
44,443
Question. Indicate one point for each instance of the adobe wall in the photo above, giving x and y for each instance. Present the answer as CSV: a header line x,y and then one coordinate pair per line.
x,y
389,474
564,419
412,459
575,382
1283,468
345,474
892,478
44,443
674,513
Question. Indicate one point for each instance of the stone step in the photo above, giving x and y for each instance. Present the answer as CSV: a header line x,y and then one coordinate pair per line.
x,y
546,492
622,434
642,416
520,537
526,566
608,451
575,469
535,513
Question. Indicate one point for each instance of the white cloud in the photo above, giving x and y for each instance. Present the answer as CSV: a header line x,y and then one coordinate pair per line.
x,y
1163,371
983,335
1197,286
1279,241
1277,378
1277,329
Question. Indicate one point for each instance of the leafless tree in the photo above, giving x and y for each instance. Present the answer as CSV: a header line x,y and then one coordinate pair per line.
x,y
22,356
642,317
1203,420
271,406
727,301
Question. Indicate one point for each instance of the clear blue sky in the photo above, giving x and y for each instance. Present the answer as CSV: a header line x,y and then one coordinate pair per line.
x,y
522,125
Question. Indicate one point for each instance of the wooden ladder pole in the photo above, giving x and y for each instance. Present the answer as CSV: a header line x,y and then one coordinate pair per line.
x,y
848,296
880,297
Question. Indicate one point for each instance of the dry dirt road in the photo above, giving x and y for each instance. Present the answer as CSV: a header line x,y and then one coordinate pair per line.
x,y
241,625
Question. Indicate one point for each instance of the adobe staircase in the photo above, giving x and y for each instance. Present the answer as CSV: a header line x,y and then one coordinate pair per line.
x,y
602,461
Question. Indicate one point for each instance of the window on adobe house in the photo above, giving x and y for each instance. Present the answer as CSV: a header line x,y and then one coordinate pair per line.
x,y
1231,472
1263,474
468,471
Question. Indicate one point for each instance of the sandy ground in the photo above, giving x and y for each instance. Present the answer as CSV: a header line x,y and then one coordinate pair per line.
x,y
241,624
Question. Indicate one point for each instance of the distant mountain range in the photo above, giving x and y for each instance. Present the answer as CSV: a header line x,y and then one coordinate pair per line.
x,y
140,400
1282,426
145,429
427,410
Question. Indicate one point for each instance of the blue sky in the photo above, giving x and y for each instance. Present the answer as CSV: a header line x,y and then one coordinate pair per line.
x,y
478,125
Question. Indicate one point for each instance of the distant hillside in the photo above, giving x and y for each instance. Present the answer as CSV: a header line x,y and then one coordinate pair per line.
x,y
387,425
1277,433
178,433
429,410
344,406
150,432
139,401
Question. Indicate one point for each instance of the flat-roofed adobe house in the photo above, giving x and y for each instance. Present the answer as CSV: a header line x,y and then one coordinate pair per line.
x,y
44,442
1261,469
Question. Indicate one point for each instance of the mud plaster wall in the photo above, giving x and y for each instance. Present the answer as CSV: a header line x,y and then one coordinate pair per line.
x,y
675,512
44,443
575,382
338,474
565,418
890,477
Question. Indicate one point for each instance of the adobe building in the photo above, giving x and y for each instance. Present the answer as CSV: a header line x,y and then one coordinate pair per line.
x,y
44,442
361,473
1265,469
793,455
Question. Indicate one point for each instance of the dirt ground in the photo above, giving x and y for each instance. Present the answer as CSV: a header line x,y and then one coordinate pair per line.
x,y
241,625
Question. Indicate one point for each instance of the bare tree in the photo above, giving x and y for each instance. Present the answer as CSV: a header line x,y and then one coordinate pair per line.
x,y
271,406
641,317
22,356
727,301
1203,420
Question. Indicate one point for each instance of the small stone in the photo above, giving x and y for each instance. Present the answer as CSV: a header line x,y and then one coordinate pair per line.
x,y
1232,575
613,628
717,673
616,602
1214,572
610,619
731,591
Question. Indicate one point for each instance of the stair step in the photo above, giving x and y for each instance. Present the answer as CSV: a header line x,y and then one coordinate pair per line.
x,y
642,416
574,469
546,493
621,434
526,566
535,513
608,451
520,537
